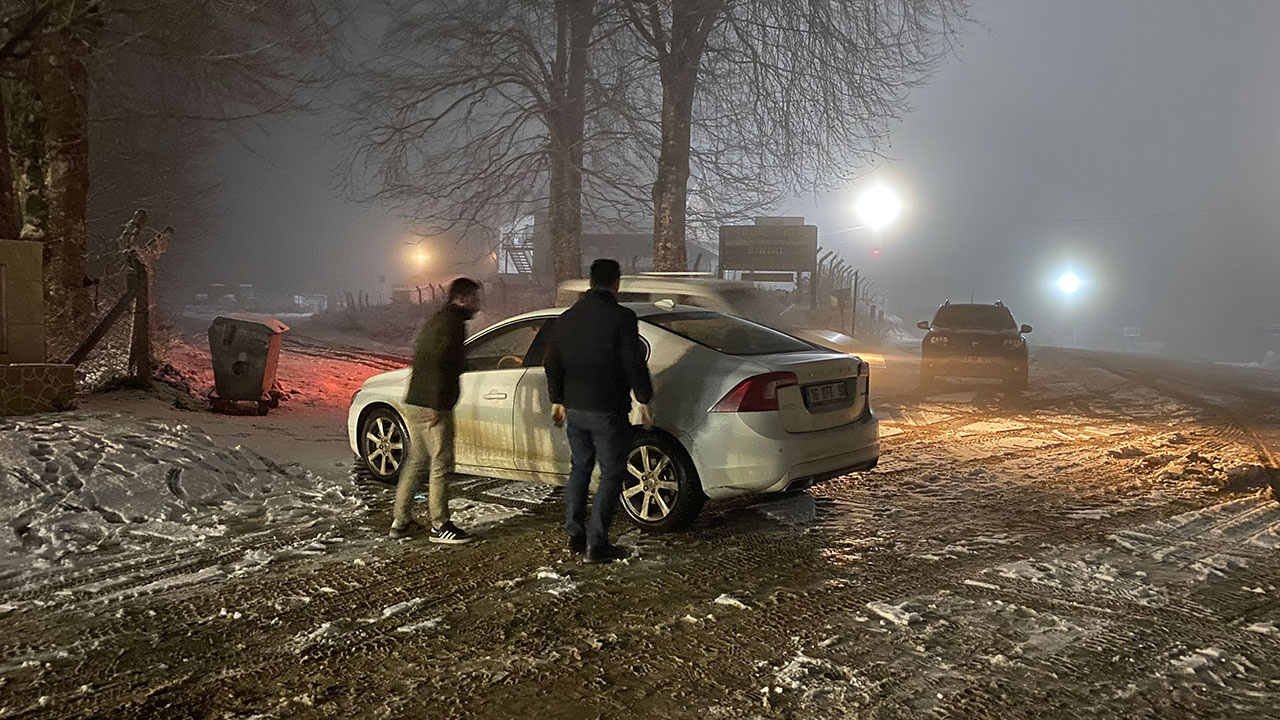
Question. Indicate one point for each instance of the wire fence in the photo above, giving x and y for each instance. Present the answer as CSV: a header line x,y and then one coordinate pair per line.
x,y
98,334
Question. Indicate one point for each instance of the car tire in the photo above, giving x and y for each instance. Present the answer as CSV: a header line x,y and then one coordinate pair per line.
x,y
1016,382
928,381
660,476
384,443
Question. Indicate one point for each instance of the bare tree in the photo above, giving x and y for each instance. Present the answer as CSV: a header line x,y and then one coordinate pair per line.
x,y
69,69
791,92
478,113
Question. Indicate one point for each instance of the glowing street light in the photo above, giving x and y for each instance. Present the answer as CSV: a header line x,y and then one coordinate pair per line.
x,y
1069,283
878,206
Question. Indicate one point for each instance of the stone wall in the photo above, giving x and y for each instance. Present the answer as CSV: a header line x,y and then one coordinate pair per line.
x,y
29,388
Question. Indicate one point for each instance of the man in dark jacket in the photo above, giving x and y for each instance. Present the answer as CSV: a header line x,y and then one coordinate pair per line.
x,y
438,362
595,360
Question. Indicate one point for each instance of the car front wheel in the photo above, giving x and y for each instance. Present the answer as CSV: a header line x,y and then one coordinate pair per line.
x,y
661,491
383,443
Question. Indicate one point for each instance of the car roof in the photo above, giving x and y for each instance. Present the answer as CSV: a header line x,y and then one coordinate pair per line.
x,y
974,305
661,282
640,309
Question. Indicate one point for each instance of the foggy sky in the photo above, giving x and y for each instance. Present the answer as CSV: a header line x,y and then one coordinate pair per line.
x,y
1136,142
1164,113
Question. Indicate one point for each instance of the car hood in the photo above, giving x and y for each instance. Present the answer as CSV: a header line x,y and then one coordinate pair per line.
x,y
969,332
395,377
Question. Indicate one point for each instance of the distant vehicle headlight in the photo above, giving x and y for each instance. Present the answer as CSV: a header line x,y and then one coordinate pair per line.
x,y
939,340
1014,343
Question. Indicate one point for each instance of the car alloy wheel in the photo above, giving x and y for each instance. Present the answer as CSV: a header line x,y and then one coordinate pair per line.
x,y
383,444
651,488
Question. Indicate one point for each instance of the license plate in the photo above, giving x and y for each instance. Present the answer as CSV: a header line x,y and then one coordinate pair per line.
x,y
826,393
979,360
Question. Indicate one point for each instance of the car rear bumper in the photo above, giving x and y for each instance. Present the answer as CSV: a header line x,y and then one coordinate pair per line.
x,y
742,455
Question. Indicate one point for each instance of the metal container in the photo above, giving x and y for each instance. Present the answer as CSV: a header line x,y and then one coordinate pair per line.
x,y
245,350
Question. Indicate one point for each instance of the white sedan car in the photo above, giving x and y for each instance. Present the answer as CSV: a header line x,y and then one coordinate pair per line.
x,y
739,409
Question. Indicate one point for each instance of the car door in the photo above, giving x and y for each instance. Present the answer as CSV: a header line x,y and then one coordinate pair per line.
x,y
540,446
495,365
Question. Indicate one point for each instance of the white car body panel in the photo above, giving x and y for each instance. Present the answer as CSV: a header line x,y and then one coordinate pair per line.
x,y
505,430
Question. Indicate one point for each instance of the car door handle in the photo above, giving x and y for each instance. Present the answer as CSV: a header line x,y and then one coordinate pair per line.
x,y
495,395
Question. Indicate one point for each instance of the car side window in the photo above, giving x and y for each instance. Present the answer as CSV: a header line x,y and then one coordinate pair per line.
x,y
504,349
538,350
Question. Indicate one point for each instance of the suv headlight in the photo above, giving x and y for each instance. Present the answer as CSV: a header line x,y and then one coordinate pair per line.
x,y
939,340
1014,343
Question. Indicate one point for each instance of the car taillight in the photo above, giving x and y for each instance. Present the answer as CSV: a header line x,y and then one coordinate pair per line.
x,y
757,394
864,368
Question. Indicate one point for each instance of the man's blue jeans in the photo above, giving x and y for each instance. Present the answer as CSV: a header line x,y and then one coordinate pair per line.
x,y
603,437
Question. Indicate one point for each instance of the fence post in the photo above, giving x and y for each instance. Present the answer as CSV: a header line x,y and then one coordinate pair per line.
x,y
140,345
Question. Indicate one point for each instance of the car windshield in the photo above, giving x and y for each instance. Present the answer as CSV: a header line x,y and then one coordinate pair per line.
x,y
974,317
728,334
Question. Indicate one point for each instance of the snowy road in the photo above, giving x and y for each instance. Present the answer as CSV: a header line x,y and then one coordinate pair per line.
x,y
1103,546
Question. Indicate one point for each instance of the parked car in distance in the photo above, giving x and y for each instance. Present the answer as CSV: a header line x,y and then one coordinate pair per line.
x,y
974,340
740,408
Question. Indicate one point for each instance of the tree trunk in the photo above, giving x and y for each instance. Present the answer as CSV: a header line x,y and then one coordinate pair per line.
x,y
10,218
65,96
678,65
671,186
575,21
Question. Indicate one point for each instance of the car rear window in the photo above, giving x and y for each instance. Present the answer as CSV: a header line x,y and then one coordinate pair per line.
x,y
728,334
974,317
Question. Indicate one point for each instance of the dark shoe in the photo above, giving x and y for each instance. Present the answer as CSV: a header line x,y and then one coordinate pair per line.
x,y
449,534
413,527
606,554
577,545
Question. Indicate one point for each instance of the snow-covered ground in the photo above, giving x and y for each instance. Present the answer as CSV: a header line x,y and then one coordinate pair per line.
x,y
82,488
1103,545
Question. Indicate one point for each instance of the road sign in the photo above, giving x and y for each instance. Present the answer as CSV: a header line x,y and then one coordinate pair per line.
x,y
780,277
769,247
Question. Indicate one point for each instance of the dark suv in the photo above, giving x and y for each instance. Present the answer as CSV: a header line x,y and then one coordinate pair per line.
x,y
974,340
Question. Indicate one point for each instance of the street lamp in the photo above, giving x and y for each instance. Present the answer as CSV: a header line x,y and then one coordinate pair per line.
x,y
878,206
1068,283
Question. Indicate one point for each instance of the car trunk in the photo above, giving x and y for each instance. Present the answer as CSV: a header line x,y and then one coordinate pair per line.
x,y
830,393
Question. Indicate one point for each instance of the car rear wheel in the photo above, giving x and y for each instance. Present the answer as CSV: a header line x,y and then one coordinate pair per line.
x,y
384,443
661,491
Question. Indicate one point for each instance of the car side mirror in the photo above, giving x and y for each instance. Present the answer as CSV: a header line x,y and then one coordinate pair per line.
x,y
923,324
1025,329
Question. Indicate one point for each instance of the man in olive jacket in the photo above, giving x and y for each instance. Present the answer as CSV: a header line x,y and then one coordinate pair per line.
x,y
438,362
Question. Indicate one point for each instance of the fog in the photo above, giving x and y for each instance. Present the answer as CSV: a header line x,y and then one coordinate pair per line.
x,y
1133,143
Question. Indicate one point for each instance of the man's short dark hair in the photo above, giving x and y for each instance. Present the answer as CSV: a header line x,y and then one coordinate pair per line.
x,y
605,272
463,288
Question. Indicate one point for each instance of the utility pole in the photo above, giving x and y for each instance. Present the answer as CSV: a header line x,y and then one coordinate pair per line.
x,y
853,325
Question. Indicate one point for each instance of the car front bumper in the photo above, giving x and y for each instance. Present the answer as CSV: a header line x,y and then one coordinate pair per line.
x,y
981,366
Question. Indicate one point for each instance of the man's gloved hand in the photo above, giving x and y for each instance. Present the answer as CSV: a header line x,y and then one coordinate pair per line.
x,y
646,417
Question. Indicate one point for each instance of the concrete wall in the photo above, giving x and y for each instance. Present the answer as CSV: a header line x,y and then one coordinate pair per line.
x,y
22,338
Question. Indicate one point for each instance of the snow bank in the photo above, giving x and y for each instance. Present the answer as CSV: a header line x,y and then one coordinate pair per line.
x,y
74,486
